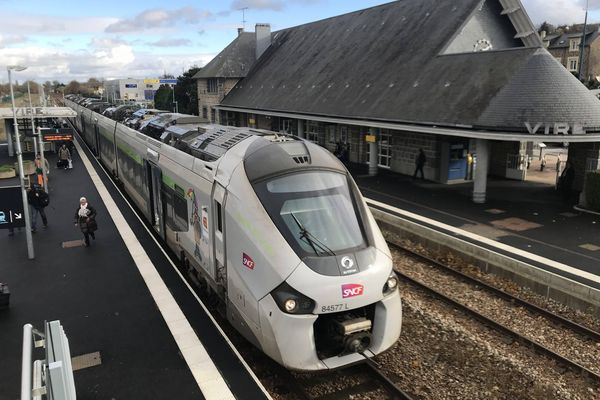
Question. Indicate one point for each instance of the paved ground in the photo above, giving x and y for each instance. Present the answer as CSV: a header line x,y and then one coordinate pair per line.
x,y
101,300
527,215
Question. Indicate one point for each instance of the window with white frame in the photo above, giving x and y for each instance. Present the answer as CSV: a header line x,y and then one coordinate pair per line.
x,y
285,125
574,44
572,63
312,131
344,134
384,158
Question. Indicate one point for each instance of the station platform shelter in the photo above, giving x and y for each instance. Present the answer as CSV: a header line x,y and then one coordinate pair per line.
x,y
468,82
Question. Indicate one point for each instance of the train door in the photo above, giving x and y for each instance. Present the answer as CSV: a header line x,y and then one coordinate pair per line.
x,y
219,198
97,139
155,205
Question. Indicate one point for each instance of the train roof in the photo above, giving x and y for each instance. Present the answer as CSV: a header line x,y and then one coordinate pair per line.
x,y
272,153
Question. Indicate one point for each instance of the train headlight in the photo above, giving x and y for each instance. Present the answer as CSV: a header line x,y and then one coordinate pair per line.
x,y
391,284
291,301
290,305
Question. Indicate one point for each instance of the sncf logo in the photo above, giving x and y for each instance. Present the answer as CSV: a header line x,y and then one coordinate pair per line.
x,y
351,290
248,261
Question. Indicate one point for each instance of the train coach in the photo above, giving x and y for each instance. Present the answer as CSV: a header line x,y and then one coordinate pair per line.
x,y
271,224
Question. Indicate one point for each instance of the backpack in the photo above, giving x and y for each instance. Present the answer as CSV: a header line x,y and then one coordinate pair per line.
x,y
43,198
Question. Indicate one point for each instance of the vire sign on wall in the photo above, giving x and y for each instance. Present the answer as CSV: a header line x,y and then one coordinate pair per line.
x,y
556,128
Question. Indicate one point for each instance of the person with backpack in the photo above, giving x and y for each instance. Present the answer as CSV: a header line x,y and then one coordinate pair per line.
x,y
38,200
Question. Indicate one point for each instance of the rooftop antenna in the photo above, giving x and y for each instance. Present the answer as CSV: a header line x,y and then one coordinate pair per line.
x,y
244,17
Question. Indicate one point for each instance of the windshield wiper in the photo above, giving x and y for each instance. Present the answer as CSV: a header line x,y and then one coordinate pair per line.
x,y
311,239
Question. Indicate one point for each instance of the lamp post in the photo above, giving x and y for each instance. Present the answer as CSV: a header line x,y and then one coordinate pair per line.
x,y
30,253
582,42
35,151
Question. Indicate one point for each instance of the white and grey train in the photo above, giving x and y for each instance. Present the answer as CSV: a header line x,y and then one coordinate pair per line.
x,y
274,225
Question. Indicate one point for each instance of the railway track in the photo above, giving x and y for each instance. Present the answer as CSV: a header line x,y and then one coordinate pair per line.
x,y
581,330
351,382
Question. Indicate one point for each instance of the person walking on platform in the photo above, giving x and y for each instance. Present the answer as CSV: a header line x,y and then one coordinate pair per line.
x,y
64,155
38,200
419,164
85,218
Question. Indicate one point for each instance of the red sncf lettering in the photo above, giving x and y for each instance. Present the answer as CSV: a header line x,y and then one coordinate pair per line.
x,y
351,290
247,261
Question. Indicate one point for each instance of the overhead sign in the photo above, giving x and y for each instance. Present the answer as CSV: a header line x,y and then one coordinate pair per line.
x,y
57,135
11,207
151,81
168,81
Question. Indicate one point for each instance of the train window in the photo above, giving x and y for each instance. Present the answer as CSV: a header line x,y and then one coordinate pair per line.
x,y
180,215
219,216
315,211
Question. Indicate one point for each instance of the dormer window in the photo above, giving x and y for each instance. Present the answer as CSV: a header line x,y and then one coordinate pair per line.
x,y
574,44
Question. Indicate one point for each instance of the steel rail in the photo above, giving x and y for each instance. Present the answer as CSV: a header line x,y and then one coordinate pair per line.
x,y
502,328
581,329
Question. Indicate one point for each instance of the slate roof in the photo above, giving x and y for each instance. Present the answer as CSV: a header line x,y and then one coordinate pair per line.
x,y
383,64
234,61
561,41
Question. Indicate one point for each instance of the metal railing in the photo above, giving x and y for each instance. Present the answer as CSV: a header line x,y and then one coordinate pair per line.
x,y
51,378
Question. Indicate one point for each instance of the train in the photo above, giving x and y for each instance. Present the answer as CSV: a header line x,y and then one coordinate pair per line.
x,y
271,225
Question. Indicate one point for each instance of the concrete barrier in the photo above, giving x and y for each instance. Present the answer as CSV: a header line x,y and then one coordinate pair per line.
x,y
548,284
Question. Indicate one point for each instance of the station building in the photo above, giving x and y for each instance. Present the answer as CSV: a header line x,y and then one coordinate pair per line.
x,y
450,77
138,90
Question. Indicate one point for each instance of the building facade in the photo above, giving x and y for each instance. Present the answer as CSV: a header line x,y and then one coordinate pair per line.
x,y
462,80
566,48
138,90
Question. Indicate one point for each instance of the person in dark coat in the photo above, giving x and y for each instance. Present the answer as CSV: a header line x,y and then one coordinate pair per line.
x,y
38,200
419,164
85,218
565,182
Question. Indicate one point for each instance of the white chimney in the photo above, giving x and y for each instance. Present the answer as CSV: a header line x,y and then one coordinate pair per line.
x,y
263,38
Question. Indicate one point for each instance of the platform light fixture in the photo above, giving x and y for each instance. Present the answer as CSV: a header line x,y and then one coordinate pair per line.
x,y
30,252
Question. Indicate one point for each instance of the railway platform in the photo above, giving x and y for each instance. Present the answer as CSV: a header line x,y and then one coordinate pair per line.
x,y
121,301
528,216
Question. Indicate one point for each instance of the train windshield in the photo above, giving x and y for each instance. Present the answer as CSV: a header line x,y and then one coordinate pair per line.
x,y
315,211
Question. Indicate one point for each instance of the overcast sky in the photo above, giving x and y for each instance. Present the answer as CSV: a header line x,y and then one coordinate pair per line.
x,y
74,39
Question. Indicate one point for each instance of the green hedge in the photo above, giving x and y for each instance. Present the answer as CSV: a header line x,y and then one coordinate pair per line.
x,y
592,190
6,168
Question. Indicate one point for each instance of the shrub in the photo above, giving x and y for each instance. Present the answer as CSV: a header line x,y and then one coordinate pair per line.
x,y
592,190
5,168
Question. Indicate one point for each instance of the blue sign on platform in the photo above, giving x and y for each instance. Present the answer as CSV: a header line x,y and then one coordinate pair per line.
x,y
168,81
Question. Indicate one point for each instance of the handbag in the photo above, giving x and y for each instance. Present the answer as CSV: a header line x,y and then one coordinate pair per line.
x,y
92,225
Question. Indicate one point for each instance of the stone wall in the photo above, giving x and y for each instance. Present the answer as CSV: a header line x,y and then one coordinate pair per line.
x,y
579,153
210,100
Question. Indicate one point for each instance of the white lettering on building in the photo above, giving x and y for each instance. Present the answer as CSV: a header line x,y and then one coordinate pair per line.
x,y
556,128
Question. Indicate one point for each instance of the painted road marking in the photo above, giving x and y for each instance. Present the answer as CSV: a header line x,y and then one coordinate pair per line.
x,y
485,230
534,257
86,361
72,243
569,214
209,380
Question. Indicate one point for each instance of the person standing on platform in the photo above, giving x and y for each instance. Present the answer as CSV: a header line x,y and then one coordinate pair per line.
x,y
38,200
64,155
419,164
85,219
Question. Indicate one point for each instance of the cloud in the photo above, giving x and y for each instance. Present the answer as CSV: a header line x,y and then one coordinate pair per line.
x,y
7,40
275,5
175,42
158,17
43,24
119,61
560,12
